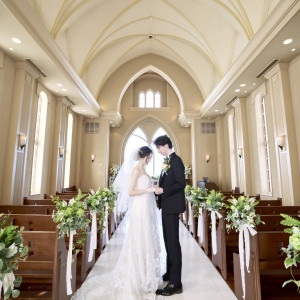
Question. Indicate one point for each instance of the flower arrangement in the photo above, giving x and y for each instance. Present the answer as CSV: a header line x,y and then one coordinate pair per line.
x,y
166,164
114,170
11,250
187,170
214,201
197,197
241,212
71,217
293,249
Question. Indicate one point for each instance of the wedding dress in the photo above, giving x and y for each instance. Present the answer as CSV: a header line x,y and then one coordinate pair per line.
x,y
136,275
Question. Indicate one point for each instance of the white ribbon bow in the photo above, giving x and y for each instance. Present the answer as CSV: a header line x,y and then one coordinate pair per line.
x,y
244,235
69,263
213,230
93,242
105,223
200,232
8,281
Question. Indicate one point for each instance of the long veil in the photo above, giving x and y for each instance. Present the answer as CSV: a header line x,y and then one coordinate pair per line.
x,y
122,183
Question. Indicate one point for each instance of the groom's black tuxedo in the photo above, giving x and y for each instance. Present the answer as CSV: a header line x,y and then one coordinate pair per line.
x,y
172,203
173,184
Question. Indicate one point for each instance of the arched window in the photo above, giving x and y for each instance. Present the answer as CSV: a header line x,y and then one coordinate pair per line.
x,y
39,142
142,99
68,151
263,146
157,100
232,151
149,99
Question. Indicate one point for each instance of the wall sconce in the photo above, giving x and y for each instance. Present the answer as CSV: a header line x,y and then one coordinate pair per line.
x,y
93,156
280,142
61,152
240,152
22,141
207,157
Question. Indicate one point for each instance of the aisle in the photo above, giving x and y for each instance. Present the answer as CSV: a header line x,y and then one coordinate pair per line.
x,y
200,279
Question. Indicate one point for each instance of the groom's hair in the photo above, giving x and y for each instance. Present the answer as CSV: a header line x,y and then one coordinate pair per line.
x,y
163,140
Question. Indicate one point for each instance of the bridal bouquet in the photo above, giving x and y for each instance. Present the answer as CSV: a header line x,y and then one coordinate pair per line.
x,y
241,212
11,250
293,249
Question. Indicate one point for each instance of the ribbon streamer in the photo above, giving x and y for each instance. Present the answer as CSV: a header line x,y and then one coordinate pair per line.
x,y
244,236
69,263
200,232
190,217
105,223
213,230
93,243
8,281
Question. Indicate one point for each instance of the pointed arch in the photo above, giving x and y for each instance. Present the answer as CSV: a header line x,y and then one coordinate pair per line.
x,y
145,119
159,72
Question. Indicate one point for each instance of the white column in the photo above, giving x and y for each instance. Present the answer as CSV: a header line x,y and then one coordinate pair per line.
x,y
283,119
78,151
195,127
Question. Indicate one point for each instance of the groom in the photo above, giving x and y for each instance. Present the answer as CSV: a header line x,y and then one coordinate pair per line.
x,y
171,199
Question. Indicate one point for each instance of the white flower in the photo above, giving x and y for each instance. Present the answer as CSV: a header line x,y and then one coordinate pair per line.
x,y
64,203
234,215
71,202
234,201
250,219
12,250
97,202
92,192
252,200
295,229
247,207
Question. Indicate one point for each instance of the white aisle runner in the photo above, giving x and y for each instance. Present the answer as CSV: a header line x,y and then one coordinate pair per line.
x,y
200,279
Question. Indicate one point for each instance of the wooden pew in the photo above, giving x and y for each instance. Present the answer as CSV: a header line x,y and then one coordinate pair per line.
x,y
69,189
38,201
27,209
44,271
276,210
267,270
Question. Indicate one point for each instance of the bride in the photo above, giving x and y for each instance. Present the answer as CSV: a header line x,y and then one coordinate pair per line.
x,y
136,275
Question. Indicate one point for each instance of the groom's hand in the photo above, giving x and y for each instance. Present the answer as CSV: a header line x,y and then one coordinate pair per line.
x,y
159,191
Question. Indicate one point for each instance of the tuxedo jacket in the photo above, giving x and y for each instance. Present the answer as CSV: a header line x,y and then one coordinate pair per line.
x,y
173,183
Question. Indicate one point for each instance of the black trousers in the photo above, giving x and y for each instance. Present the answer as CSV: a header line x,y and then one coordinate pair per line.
x,y
170,224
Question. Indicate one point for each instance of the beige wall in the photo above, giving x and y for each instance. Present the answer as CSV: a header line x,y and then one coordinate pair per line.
x,y
7,79
294,75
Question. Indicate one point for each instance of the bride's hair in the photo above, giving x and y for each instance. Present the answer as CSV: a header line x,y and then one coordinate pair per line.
x,y
144,151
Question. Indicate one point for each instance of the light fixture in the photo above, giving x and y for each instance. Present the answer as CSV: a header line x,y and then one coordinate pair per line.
x,y
237,90
294,49
207,157
93,156
280,142
287,41
59,84
16,40
240,152
216,110
245,91
242,85
11,49
61,151
22,141
65,90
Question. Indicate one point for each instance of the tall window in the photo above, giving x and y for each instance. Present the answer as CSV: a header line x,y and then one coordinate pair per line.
x,y
39,142
150,99
139,139
68,151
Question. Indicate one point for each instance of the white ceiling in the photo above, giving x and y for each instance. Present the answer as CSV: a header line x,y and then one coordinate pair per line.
x,y
96,37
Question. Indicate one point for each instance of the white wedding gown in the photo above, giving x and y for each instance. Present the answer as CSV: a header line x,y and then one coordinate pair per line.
x,y
137,272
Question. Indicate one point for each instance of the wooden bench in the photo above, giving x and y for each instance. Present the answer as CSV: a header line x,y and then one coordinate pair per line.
x,y
27,209
44,270
276,210
267,270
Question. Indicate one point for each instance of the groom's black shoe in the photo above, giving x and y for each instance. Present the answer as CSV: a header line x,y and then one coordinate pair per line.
x,y
169,290
166,277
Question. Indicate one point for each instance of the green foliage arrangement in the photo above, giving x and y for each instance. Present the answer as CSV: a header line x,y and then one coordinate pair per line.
x,y
11,251
197,197
214,201
293,249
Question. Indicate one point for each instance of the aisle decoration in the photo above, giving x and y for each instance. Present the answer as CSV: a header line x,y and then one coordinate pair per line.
x,y
241,216
101,204
11,251
113,172
197,197
187,170
214,203
71,219
293,249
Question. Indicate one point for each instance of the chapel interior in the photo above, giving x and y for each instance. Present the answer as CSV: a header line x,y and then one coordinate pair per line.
x,y
85,82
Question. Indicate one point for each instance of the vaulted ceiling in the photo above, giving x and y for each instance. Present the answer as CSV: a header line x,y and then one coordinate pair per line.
x,y
204,37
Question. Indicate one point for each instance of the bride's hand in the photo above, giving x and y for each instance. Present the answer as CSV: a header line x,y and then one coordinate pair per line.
x,y
151,189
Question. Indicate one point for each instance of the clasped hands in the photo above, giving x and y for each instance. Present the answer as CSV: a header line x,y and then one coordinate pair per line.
x,y
155,189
